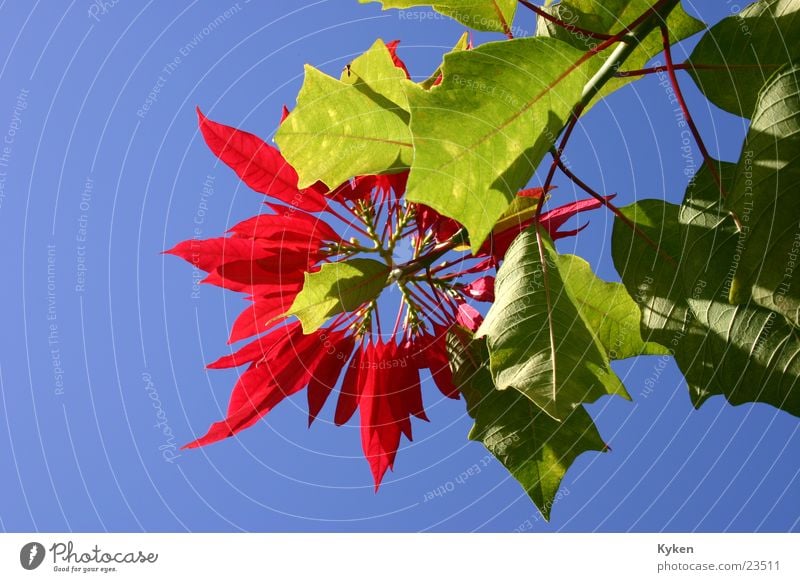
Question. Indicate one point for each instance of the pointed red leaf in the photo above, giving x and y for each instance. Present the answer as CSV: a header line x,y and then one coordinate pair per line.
x,y
259,165
354,379
283,269
380,428
468,317
260,348
209,254
286,222
432,350
285,371
338,349
255,317
554,219
392,46
409,383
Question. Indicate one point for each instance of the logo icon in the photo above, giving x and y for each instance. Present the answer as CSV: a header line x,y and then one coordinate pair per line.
x,y
31,555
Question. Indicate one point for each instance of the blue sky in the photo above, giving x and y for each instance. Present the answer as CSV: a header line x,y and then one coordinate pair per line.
x,y
104,340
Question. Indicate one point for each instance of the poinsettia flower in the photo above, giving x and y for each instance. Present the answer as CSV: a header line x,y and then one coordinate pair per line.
x,y
373,370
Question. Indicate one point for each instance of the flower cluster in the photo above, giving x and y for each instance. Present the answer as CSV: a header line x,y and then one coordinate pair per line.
x,y
375,366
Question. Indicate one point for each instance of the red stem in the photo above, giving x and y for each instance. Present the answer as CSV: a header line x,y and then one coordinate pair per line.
x,y
397,319
710,163
430,309
579,107
445,300
575,115
503,23
346,221
614,209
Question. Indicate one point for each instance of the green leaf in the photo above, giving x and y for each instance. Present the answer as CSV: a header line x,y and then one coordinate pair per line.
x,y
486,15
342,129
748,48
461,45
607,309
336,288
479,136
521,209
375,74
610,17
535,449
538,342
745,352
765,196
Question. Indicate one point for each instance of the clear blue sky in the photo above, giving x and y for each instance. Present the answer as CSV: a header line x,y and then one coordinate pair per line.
x,y
96,324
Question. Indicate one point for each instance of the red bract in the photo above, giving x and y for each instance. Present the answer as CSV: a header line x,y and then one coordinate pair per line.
x,y
497,244
481,289
258,164
392,46
377,369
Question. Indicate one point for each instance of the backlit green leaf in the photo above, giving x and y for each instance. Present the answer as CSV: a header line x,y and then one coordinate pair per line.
x,y
607,309
486,15
337,287
375,74
461,45
353,127
610,17
479,136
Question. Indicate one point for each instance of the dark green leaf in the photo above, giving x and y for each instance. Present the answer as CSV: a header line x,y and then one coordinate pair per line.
x,y
765,196
745,352
538,342
535,449
747,48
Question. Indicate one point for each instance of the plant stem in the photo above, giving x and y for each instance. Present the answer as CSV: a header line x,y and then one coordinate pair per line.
x,y
709,161
636,33
614,209
426,260
629,39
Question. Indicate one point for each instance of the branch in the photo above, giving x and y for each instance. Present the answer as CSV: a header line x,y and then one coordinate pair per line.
x,y
629,38
613,208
